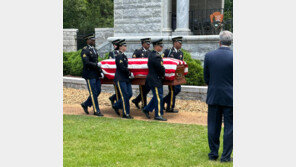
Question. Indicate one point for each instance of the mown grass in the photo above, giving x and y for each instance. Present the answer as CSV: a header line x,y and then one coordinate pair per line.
x,y
92,141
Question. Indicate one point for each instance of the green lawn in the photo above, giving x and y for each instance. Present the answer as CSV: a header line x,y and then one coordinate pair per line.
x,y
93,141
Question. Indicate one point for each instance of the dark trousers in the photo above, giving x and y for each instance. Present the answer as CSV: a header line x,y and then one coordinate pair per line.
x,y
94,88
171,97
125,91
116,96
144,90
156,103
215,113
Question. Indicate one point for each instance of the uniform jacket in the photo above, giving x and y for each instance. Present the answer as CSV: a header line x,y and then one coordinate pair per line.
x,y
218,75
156,70
122,73
172,53
90,63
113,54
141,53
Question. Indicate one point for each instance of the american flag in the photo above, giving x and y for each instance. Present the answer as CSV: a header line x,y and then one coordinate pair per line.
x,y
139,67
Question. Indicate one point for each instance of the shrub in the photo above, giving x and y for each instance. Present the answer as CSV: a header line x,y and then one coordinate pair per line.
x,y
72,63
195,70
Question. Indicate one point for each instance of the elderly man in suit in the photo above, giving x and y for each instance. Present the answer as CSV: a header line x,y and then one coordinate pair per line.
x,y
218,75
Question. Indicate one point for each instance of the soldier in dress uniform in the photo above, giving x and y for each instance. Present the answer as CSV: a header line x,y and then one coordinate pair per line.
x,y
154,80
176,53
122,80
143,52
91,73
112,55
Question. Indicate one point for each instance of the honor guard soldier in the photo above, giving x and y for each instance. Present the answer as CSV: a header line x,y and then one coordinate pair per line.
x,y
176,53
154,80
91,73
143,52
122,81
112,55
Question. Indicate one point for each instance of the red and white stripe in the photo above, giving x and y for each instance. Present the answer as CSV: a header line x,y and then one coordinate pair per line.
x,y
139,67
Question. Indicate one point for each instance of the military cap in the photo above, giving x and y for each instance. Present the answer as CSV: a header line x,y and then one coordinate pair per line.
x,y
177,39
157,42
115,41
121,42
89,36
146,40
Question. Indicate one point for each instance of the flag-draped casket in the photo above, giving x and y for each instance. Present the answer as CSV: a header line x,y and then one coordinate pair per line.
x,y
175,70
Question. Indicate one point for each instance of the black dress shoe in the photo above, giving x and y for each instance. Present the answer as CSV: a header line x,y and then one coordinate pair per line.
x,y
160,119
137,104
111,100
116,110
127,116
98,114
172,111
146,113
84,108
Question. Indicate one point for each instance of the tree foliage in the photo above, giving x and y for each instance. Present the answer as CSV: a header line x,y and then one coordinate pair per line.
x,y
86,15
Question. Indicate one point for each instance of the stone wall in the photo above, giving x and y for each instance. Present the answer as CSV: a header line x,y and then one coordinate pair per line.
x,y
102,44
187,92
137,17
70,40
102,34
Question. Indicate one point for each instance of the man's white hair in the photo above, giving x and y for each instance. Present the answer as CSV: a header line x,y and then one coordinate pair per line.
x,y
225,37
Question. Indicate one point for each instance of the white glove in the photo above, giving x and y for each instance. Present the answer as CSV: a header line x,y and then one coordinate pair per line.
x,y
99,64
132,76
102,75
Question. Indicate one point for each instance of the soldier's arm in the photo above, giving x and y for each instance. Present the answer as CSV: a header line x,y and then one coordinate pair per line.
x,y
135,54
85,60
120,64
159,66
110,56
166,52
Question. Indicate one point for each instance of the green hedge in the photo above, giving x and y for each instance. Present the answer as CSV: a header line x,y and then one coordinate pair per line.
x,y
195,70
72,65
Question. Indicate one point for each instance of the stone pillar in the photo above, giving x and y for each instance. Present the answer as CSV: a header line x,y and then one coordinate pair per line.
x,y
182,18
166,17
70,40
222,6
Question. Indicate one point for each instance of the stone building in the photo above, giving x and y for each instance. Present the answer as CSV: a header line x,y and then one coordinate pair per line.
x,y
136,19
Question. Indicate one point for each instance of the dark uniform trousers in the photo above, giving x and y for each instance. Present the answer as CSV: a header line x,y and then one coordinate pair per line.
x,y
156,102
125,91
144,90
173,90
116,96
94,88
215,113
170,99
